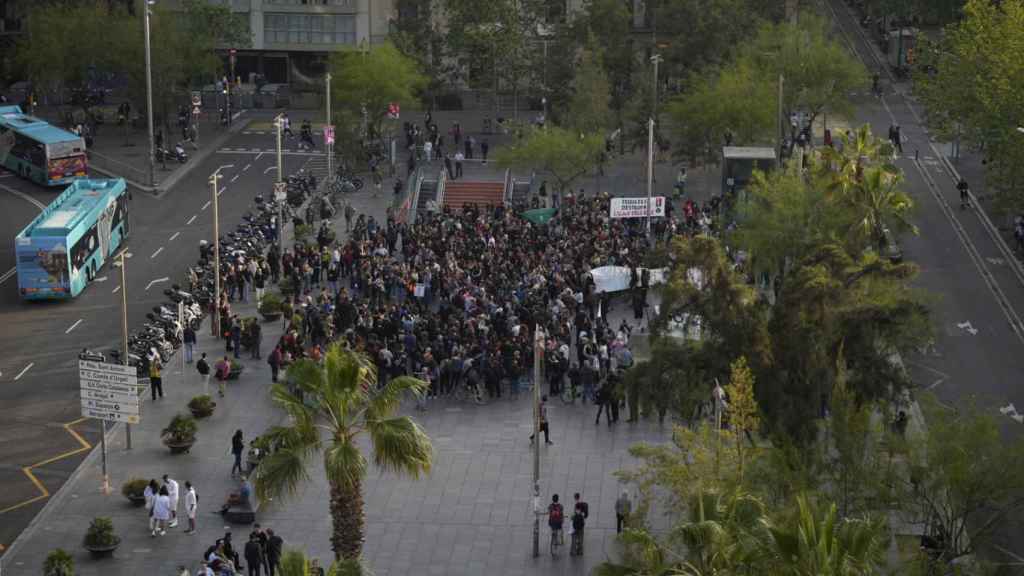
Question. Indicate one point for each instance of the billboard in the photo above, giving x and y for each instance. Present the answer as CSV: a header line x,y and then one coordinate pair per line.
x,y
637,207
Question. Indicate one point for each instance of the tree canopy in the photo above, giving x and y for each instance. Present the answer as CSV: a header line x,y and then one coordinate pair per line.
x,y
564,154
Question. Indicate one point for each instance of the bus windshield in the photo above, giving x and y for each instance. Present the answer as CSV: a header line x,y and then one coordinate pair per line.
x,y
63,248
40,151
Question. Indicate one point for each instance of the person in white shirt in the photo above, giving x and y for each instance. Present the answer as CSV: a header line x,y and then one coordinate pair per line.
x,y
161,512
150,494
172,495
191,505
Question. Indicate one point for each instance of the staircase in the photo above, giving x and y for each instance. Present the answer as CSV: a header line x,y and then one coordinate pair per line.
x,y
520,195
460,192
428,193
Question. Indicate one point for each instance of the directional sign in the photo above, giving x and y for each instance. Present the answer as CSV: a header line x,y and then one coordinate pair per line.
x,y
109,391
197,99
394,110
280,191
329,135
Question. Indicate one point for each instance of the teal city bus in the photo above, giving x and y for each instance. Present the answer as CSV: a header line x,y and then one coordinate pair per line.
x,y
63,248
38,151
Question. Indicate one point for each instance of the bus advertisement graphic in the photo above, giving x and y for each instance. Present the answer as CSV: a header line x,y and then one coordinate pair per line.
x,y
43,266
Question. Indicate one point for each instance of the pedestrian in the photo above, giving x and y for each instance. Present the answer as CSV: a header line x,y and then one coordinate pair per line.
x,y
397,188
237,447
622,509
349,213
172,493
223,369
253,555
261,537
579,521
448,166
275,363
161,512
156,382
469,147
543,421
203,367
259,282
459,157
191,506
378,185
484,147
556,516
189,339
257,339
275,545
236,336
150,494
428,151
603,400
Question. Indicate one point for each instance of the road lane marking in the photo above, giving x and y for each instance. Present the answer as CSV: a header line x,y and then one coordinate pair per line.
x,y
191,220
235,177
247,166
100,279
8,275
173,236
24,197
207,205
221,191
116,290
269,169
157,281
27,470
158,251
73,326
258,155
23,370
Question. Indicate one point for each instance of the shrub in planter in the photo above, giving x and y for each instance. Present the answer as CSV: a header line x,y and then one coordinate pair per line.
x,y
180,434
202,406
59,563
271,306
134,489
302,232
100,538
287,286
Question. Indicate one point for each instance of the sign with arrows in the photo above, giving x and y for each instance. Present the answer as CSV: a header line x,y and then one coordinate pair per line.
x,y
109,391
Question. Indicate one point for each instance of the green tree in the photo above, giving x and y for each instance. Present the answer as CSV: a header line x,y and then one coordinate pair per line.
x,y
969,90
335,405
563,154
415,35
697,36
611,21
744,417
370,80
965,480
588,111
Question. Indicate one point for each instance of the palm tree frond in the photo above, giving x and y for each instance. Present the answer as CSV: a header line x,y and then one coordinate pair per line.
x,y
386,401
344,464
400,445
282,472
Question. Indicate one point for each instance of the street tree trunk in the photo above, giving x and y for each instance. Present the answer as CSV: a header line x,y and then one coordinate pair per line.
x,y
349,521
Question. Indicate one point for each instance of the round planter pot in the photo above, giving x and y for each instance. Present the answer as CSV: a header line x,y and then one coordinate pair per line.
x,y
271,316
137,501
181,448
200,414
102,551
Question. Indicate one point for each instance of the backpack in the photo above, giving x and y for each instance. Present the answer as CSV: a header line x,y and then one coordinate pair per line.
x,y
555,515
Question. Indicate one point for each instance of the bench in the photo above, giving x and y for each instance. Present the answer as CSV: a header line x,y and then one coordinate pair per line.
x,y
240,514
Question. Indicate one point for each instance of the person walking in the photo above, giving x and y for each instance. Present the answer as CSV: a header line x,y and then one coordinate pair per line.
x,y
237,447
150,494
189,339
275,545
161,512
275,363
622,509
156,382
603,401
253,555
223,369
257,339
448,166
172,493
203,367
459,157
236,336
484,148
191,506
543,421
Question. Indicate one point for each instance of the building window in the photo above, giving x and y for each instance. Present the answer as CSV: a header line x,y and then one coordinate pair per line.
x,y
310,28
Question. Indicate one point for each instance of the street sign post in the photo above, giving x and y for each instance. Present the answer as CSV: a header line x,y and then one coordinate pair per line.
x,y
197,98
329,135
280,191
109,391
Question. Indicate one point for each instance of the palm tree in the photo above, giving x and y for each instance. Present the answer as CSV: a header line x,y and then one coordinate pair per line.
x,y
335,404
843,167
816,543
878,203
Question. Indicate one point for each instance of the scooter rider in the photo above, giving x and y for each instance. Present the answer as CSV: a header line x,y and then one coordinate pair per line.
x,y
965,197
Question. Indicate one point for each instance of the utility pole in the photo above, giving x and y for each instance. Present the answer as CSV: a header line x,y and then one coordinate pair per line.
x,y
656,59
650,171
149,92
329,145
538,359
124,339
279,125
216,252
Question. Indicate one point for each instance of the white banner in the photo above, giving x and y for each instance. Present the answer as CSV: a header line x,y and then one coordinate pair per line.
x,y
637,207
616,278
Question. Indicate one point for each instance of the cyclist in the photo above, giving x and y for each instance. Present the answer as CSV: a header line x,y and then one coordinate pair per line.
x,y
556,516
965,197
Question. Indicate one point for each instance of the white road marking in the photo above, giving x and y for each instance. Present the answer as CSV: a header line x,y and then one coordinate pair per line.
x,y
173,236
157,281
223,167
222,191
73,326
1011,411
207,205
269,169
235,177
967,326
116,290
100,279
247,166
23,370
191,220
157,253
254,149
25,197
8,275
258,155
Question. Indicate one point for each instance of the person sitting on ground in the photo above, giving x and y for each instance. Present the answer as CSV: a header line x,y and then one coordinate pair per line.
x,y
240,499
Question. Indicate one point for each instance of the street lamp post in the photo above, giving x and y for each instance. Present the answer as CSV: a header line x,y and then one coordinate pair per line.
x,y
149,92
216,252
124,337
279,125
329,146
538,358
650,171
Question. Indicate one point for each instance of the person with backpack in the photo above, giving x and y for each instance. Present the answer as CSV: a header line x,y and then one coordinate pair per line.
x,y
275,363
223,370
203,367
578,522
556,517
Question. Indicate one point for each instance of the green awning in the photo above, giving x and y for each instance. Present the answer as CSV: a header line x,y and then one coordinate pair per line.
x,y
539,215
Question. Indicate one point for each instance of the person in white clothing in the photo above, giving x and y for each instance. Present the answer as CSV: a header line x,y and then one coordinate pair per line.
x,y
191,504
172,493
150,494
161,512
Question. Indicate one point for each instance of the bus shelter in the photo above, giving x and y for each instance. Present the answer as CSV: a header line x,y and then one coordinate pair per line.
x,y
739,163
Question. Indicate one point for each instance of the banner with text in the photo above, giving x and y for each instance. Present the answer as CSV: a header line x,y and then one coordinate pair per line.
x,y
637,207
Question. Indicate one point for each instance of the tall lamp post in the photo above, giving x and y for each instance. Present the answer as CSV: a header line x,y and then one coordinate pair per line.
x,y
149,92
538,359
655,60
329,144
214,178
279,127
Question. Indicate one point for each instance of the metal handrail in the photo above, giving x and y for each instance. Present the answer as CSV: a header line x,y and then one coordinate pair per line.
x,y
441,181
507,192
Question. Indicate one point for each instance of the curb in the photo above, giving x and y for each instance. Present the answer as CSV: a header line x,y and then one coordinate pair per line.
x,y
176,175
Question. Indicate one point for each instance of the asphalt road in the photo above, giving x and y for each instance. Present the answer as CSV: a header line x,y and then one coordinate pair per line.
x,y
978,286
38,370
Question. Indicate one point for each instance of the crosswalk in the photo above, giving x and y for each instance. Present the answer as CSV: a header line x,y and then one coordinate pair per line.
x,y
247,150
